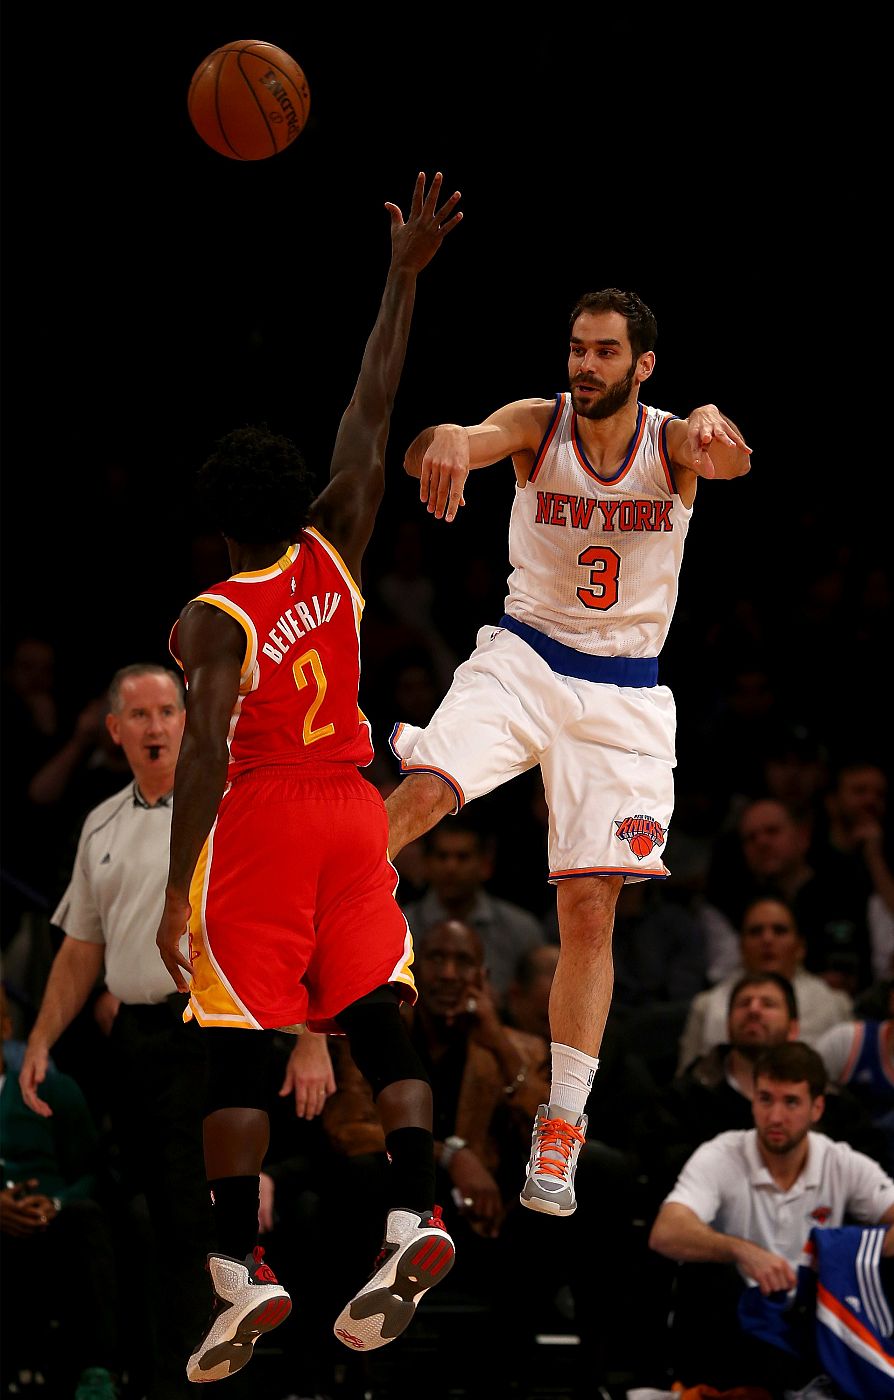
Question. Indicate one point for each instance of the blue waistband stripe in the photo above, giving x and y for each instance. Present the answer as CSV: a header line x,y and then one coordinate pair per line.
x,y
639,671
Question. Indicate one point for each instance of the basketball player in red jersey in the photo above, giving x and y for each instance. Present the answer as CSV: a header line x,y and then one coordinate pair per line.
x,y
278,861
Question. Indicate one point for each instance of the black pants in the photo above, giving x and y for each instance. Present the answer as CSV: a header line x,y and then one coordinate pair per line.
x,y
64,1274
159,1070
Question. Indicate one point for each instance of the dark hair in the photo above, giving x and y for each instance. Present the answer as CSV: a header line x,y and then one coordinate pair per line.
x,y
771,895
642,329
791,1063
255,486
754,979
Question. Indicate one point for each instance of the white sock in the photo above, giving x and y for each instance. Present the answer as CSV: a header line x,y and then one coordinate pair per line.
x,y
572,1079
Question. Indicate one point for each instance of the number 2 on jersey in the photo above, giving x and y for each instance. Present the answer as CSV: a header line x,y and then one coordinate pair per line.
x,y
306,670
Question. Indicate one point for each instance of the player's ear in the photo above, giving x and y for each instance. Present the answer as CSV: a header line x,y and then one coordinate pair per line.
x,y
645,366
113,726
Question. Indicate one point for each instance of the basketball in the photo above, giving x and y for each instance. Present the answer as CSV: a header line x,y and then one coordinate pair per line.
x,y
248,100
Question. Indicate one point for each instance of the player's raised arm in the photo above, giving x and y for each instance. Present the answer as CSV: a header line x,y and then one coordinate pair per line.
x,y
442,457
345,510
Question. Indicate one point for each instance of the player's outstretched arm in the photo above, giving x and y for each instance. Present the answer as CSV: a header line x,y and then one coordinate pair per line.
x,y
345,511
442,456
709,444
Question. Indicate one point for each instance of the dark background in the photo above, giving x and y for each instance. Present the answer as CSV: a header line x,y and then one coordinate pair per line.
x,y
157,293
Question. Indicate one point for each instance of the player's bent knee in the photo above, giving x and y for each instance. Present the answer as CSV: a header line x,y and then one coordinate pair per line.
x,y
380,1045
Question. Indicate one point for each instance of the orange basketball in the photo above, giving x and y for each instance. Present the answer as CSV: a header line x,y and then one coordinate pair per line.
x,y
640,846
249,100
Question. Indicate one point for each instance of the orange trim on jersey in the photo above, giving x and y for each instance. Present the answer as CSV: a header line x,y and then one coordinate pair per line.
x,y
886,1036
285,561
548,436
245,622
853,1324
662,453
627,463
437,773
609,870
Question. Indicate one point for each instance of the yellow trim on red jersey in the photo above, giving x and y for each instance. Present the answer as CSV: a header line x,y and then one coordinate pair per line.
x,y
245,622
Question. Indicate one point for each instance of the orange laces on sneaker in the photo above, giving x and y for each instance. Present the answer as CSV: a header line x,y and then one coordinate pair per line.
x,y
556,1136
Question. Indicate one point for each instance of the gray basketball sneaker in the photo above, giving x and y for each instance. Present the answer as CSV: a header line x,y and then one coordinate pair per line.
x,y
417,1253
555,1148
248,1301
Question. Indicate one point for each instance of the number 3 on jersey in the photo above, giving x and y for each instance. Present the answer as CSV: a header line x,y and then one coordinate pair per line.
x,y
604,577
307,670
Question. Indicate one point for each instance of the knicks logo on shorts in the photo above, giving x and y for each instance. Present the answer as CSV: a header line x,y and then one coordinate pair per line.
x,y
642,833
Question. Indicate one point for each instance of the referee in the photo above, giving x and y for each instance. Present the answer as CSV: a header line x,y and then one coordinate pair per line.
x,y
156,1062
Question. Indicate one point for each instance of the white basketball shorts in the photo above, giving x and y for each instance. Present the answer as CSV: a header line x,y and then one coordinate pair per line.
x,y
606,753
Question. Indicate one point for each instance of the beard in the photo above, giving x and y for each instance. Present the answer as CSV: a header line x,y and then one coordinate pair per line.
x,y
611,402
785,1144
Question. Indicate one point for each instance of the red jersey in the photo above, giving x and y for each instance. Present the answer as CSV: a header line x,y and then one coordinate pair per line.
x,y
301,670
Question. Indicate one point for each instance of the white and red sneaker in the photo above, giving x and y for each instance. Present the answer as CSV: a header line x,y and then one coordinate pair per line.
x,y
417,1253
248,1301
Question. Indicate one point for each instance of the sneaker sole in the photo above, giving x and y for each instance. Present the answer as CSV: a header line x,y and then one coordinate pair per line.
x,y
231,1354
546,1207
394,1301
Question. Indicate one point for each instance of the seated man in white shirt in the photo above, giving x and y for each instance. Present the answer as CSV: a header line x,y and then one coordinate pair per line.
x,y
750,1198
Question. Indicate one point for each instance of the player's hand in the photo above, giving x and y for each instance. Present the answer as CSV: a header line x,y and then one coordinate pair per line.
x,y
31,1076
174,924
309,1075
414,243
706,426
445,467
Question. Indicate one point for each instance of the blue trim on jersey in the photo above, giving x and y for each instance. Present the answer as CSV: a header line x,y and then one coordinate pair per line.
x,y
632,447
638,671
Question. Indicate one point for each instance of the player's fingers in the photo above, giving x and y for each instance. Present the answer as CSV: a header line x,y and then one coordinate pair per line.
x,y
397,218
424,482
446,209
452,223
434,190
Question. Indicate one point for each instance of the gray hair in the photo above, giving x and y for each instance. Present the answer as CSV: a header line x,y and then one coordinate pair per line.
x,y
140,668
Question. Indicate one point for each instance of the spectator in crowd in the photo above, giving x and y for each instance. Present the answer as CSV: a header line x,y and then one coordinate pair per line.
x,y
769,941
714,1094
772,856
860,1055
57,1248
854,853
459,862
30,715
750,1198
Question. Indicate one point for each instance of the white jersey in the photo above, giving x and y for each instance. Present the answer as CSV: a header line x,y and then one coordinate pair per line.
x,y
596,560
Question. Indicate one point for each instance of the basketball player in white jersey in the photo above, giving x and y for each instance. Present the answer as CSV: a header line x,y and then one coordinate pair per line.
x,y
568,679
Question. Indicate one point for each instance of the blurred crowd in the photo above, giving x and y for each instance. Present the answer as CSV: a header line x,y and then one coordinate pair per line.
x,y
781,854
